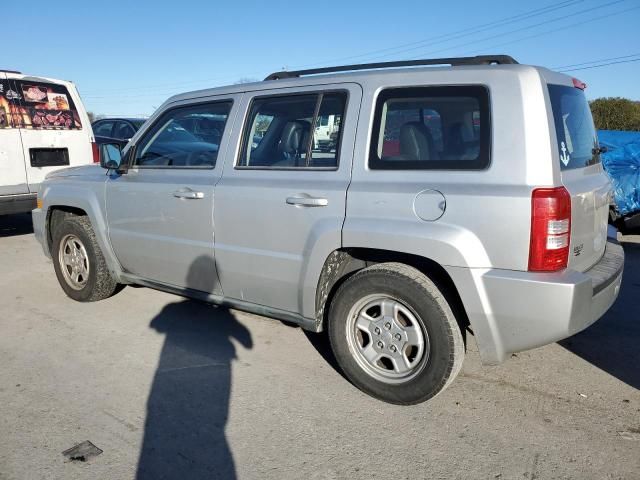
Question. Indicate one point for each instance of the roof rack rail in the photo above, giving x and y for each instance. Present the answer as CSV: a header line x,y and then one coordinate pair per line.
x,y
9,71
453,61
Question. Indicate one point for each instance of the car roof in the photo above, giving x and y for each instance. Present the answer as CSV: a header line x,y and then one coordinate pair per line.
x,y
366,76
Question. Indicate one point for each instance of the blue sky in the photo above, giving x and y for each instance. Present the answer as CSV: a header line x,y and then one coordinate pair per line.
x,y
127,57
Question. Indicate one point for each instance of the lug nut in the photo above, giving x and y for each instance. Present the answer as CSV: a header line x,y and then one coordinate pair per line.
x,y
393,348
380,344
377,331
387,325
398,337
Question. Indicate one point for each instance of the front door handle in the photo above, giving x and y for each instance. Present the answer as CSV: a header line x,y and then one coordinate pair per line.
x,y
307,201
189,194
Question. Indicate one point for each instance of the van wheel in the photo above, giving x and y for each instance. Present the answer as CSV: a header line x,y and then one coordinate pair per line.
x,y
394,335
78,261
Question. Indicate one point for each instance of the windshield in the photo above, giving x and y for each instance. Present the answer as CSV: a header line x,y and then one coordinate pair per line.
x,y
577,141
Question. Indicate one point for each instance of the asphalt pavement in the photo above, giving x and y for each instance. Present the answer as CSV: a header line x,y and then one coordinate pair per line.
x,y
170,388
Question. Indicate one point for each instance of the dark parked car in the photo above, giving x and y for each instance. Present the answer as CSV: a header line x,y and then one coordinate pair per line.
x,y
116,130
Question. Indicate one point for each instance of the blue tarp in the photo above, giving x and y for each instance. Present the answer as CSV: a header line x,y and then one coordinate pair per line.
x,y
622,163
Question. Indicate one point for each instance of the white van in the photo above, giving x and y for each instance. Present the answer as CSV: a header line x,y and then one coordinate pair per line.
x,y
43,127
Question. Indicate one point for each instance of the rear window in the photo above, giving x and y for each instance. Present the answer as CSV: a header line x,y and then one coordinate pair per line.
x,y
575,132
37,105
431,128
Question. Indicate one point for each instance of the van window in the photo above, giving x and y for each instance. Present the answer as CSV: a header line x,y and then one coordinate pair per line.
x,y
9,104
295,131
433,128
4,117
575,132
184,137
37,105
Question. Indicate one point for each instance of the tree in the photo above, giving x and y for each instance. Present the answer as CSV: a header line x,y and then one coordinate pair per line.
x,y
92,116
615,113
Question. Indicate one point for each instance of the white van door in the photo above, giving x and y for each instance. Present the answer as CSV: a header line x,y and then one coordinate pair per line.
x,y
54,127
13,174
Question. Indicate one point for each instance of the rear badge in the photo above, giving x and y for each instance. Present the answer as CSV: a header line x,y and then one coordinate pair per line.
x,y
578,250
564,157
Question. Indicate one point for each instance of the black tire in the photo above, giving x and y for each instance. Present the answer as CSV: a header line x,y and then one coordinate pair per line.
x,y
412,289
99,283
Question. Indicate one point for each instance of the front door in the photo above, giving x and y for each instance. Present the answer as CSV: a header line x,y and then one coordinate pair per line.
x,y
280,204
13,173
160,213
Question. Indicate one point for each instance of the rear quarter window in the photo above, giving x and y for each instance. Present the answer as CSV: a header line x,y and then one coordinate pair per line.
x,y
431,128
575,132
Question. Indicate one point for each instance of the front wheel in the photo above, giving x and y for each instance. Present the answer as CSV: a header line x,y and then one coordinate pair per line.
x,y
78,261
394,334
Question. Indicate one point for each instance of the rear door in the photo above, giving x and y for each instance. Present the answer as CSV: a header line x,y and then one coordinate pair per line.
x,y
582,175
280,204
54,128
13,174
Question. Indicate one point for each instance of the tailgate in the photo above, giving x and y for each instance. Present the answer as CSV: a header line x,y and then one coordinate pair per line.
x,y
581,174
590,191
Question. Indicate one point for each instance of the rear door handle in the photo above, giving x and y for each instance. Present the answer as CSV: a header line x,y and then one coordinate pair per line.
x,y
189,194
307,201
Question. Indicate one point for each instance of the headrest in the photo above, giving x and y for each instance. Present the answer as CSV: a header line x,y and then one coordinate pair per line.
x,y
295,136
415,141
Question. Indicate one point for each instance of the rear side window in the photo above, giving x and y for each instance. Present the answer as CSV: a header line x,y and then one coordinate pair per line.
x,y
103,129
37,105
295,131
431,128
124,131
575,132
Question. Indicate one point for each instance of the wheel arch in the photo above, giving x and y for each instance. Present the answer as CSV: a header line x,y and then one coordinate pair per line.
x,y
56,214
62,202
343,263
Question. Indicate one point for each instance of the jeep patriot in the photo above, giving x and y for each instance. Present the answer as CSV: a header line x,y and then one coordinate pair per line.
x,y
456,195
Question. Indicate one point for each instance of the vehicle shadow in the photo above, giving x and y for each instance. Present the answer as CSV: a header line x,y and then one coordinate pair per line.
x,y
13,225
188,405
612,343
320,342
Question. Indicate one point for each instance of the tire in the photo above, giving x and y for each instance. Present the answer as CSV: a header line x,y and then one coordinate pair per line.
x,y
78,261
408,359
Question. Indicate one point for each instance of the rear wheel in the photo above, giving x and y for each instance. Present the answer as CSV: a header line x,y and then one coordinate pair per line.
x,y
78,261
394,334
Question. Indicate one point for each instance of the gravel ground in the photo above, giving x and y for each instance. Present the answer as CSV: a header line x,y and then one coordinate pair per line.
x,y
172,388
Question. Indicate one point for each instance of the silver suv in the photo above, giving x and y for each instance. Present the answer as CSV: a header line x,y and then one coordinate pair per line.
x,y
456,198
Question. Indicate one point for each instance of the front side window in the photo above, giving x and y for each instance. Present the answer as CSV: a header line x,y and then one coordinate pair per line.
x,y
184,137
297,131
576,134
436,128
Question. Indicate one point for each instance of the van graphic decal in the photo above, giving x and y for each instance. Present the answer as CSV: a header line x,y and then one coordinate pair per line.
x,y
37,105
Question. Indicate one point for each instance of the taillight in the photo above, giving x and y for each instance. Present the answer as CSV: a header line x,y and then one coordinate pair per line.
x,y
96,152
550,229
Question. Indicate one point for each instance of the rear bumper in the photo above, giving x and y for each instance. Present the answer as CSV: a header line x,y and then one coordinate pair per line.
x,y
511,311
23,203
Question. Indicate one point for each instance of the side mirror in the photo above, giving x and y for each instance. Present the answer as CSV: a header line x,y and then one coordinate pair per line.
x,y
110,155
